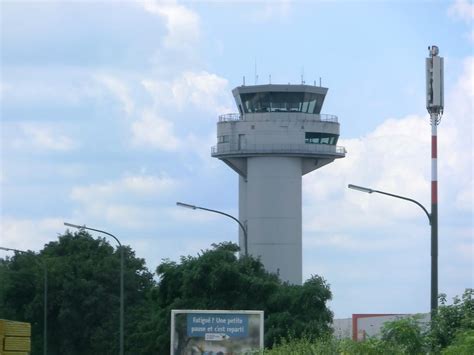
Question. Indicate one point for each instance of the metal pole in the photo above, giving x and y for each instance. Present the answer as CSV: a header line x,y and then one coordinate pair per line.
x,y
369,191
244,230
432,218
121,301
434,213
121,326
435,106
45,311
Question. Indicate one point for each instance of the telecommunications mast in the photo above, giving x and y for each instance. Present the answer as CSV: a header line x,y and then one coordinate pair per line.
x,y
435,107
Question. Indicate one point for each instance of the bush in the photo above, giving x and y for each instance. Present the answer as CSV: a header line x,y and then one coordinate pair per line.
x,y
406,333
331,345
452,319
463,344
451,332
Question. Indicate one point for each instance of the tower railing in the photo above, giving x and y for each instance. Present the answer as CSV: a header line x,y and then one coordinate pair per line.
x,y
305,149
228,117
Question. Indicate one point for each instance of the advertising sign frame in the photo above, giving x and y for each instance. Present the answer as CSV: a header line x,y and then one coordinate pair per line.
x,y
236,332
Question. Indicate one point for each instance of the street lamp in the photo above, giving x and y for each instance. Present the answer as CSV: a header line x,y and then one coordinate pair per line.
x,y
121,274
45,298
244,230
434,231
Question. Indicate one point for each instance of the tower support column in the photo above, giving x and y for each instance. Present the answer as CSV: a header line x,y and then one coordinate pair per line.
x,y
273,214
243,212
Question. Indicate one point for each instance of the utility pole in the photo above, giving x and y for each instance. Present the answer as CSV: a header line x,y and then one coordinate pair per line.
x,y
435,107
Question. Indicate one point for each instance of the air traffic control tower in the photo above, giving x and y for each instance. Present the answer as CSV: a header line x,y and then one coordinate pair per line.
x,y
278,136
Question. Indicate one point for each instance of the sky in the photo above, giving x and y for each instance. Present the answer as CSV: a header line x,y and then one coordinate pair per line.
x,y
109,110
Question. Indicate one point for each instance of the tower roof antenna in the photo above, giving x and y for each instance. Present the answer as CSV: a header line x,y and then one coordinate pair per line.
x,y
256,73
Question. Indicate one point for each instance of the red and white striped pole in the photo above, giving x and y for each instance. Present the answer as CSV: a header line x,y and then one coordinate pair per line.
x,y
434,212
435,106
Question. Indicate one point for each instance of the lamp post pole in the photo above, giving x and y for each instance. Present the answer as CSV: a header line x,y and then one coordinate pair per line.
x,y
121,277
244,230
45,299
432,218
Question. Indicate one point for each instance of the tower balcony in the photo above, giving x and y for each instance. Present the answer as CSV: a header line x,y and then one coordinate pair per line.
x,y
227,150
278,115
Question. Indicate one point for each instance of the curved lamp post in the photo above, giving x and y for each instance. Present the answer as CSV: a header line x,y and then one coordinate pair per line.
x,y
121,275
244,230
45,298
434,231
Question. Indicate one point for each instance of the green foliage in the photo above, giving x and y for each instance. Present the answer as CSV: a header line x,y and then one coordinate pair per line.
x,y
450,333
83,303
463,344
83,294
451,319
299,310
330,345
302,346
406,333
217,279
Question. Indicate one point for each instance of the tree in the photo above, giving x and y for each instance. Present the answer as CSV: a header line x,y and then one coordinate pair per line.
x,y
217,279
452,319
408,334
83,294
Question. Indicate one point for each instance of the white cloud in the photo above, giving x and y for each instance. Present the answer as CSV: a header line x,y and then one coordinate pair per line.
x,y
153,131
159,90
123,202
462,9
470,35
41,136
347,233
200,90
119,89
201,147
205,91
40,85
271,10
4,87
388,159
129,186
466,251
464,199
28,234
395,157
182,24
348,242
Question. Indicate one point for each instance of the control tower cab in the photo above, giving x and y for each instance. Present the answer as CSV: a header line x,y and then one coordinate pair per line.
x,y
278,136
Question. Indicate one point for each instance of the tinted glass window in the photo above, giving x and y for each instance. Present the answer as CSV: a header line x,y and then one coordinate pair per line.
x,y
321,138
281,102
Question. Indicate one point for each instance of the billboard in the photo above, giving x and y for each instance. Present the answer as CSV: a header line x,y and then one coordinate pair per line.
x,y
215,332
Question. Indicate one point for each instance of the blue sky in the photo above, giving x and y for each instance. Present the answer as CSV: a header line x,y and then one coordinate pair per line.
x,y
109,110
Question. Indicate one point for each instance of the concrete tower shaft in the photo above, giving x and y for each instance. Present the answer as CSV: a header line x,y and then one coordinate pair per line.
x,y
278,136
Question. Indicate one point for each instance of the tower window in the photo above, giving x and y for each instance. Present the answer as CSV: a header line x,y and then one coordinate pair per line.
x,y
321,138
305,102
223,139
